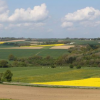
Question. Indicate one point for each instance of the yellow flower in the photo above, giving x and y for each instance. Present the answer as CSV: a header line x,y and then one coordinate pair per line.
x,y
2,42
44,45
90,82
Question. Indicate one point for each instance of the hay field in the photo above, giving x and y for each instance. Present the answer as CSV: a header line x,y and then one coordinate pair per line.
x,y
62,47
13,41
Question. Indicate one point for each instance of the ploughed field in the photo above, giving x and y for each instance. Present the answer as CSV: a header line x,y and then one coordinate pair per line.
x,y
35,93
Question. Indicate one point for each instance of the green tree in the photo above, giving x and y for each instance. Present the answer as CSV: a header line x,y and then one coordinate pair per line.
x,y
3,63
78,67
11,57
71,66
8,76
1,75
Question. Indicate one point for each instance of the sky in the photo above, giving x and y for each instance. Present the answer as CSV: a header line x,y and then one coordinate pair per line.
x,y
50,18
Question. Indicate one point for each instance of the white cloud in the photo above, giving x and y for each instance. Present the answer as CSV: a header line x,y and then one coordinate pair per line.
x,y
71,29
87,17
98,22
90,23
3,6
4,16
1,26
49,30
88,13
30,18
67,24
38,13
23,25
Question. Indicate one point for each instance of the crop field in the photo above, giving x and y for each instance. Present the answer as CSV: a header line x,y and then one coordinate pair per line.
x,y
95,82
84,42
4,53
45,45
47,74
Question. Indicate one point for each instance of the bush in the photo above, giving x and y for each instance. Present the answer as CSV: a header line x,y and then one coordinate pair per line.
x,y
1,75
71,66
53,66
8,76
78,67
3,64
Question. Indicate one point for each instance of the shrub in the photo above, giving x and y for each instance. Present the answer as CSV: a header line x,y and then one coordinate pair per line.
x,y
1,75
71,66
8,76
53,66
3,64
78,67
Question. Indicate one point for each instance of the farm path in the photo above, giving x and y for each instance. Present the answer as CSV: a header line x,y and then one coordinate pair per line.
x,y
39,52
37,93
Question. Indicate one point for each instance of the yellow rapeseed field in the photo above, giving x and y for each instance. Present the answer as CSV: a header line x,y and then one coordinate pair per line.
x,y
90,82
44,45
2,42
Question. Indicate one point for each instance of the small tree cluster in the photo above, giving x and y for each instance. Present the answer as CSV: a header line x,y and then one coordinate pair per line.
x,y
7,76
78,67
3,64
71,66
1,75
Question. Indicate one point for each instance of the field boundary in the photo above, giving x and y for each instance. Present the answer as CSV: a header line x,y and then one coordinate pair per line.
x,y
48,86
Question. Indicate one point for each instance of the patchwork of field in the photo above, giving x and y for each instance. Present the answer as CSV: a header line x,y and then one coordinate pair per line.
x,y
41,47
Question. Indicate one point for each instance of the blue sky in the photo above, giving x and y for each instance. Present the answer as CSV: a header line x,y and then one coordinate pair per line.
x,y
50,18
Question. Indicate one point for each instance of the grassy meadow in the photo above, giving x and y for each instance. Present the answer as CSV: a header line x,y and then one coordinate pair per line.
x,y
47,74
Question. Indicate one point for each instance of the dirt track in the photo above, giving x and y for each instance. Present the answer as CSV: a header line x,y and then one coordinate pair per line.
x,y
35,93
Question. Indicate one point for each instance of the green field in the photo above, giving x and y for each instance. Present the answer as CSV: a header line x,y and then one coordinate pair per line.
x,y
85,42
45,74
4,53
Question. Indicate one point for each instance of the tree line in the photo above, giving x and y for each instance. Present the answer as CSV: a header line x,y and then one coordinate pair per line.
x,y
88,56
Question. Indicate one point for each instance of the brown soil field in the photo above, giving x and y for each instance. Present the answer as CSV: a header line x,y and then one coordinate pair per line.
x,y
23,48
13,41
41,93
62,47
